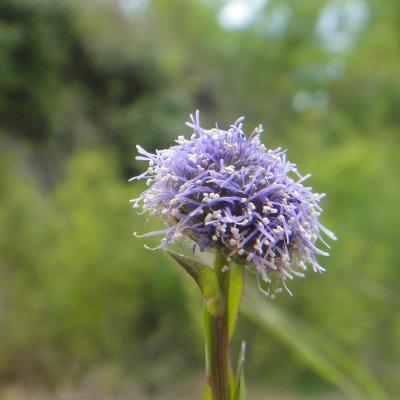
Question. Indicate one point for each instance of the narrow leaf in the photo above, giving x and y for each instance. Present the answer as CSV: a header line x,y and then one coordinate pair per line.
x,y
205,278
240,390
207,393
192,267
236,278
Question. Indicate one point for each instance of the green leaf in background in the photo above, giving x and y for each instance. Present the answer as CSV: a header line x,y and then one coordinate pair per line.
x,y
321,354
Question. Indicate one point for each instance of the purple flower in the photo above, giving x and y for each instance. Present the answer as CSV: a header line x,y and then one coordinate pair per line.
x,y
228,192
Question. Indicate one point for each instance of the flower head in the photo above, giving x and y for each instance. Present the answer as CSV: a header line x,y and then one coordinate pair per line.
x,y
230,193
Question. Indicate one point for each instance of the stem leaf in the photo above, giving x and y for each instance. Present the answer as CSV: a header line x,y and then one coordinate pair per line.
x,y
240,389
206,279
207,393
235,295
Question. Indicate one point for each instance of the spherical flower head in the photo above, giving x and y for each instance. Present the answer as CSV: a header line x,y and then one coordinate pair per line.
x,y
228,192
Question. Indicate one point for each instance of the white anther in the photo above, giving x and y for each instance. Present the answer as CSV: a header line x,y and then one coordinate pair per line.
x,y
208,218
233,242
278,229
235,231
230,168
257,246
250,256
217,214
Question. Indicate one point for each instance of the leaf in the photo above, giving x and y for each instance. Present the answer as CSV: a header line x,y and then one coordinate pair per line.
x,y
236,277
192,267
317,351
206,279
207,393
240,389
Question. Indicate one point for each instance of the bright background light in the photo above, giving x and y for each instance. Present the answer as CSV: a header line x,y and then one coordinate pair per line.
x,y
238,14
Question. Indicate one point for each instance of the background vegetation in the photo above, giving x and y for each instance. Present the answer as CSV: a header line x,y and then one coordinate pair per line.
x,y
83,307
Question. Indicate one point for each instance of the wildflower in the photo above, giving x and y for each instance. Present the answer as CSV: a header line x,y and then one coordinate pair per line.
x,y
228,192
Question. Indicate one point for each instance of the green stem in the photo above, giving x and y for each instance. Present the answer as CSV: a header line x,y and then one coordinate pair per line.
x,y
218,339
222,288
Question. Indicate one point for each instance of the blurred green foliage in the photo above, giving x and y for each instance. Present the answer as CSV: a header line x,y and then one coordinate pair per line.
x,y
82,82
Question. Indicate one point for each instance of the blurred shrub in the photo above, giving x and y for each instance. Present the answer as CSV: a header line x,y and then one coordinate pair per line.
x,y
77,289
75,74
